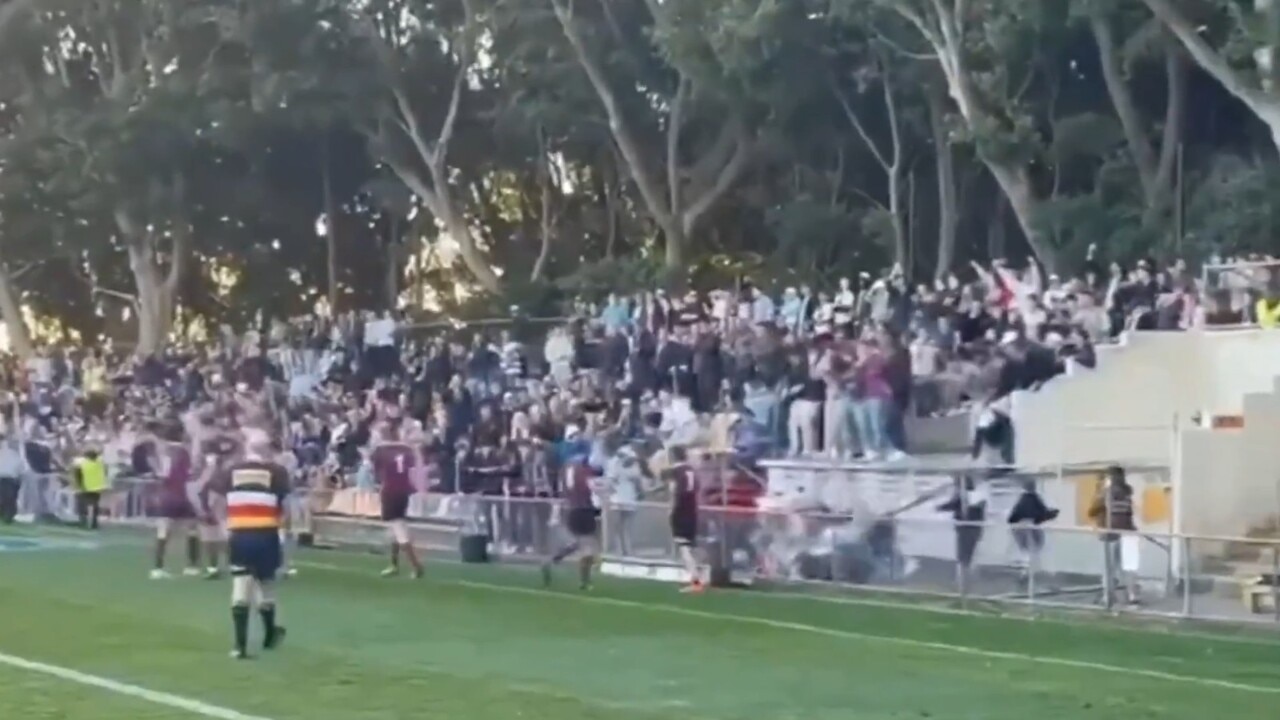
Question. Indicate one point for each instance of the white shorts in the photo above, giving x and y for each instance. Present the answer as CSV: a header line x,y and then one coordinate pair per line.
x,y
166,527
213,532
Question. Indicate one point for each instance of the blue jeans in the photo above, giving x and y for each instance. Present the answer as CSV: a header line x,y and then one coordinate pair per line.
x,y
869,418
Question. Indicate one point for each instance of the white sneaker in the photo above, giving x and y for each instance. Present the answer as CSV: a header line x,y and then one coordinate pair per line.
x,y
871,456
192,572
158,574
896,456
291,572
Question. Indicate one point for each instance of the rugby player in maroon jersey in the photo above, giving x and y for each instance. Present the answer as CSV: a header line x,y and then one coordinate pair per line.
x,y
581,520
220,449
175,469
684,516
395,459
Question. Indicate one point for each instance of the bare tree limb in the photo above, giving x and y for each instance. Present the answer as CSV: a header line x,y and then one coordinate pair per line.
x,y
1206,57
728,175
856,121
675,121
627,144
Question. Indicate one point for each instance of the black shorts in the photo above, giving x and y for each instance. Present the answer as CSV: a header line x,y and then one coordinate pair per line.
x,y
395,506
581,522
255,553
684,528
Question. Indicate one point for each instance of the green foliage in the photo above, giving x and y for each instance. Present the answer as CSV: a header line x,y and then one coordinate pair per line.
x,y
1234,209
229,118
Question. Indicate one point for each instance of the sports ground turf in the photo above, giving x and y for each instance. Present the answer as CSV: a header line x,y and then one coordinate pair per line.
x,y
84,636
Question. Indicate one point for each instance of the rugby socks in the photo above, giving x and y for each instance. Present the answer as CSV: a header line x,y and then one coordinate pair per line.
x,y
413,560
584,571
193,551
160,545
240,621
211,549
268,613
564,552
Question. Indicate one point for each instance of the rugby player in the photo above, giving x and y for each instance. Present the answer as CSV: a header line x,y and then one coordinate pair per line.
x,y
582,522
176,503
222,449
684,517
293,505
395,460
257,488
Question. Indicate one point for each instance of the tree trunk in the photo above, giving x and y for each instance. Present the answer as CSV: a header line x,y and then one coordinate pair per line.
x,y
155,304
997,246
678,210
1015,181
948,214
896,221
157,288
675,240
330,229
1155,173
391,279
15,324
1160,196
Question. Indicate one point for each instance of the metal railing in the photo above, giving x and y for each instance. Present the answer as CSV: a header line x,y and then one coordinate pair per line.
x,y
1156,574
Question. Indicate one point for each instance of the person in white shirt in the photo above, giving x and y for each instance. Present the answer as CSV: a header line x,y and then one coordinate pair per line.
x,y
380,344
625,481
824,315
845,304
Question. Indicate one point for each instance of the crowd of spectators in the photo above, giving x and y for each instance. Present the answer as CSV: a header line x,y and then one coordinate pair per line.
x,y
739,374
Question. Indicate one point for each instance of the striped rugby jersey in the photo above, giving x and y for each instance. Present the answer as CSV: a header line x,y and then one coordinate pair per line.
x,y
256,495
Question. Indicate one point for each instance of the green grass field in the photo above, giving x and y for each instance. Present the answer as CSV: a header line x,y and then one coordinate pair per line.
x,y
487,643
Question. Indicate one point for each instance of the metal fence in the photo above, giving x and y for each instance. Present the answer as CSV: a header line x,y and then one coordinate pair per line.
x,y
1160,574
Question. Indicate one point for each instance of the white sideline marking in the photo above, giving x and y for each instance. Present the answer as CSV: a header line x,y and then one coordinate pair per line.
x,y
1157,631
190,705
852,635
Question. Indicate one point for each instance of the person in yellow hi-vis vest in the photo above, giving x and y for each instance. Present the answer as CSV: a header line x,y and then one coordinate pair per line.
x,y
91,482
1267,309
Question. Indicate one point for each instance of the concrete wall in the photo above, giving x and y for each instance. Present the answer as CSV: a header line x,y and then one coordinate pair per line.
x,y
1230,479
1125,409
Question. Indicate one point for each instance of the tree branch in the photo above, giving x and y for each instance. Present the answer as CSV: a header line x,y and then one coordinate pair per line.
x,y
856,121
10,11
727,177
1174,114
1206,57
1122,99
626,142
441,149
675,119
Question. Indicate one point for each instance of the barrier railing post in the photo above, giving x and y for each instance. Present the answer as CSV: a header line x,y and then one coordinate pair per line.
x,y
1108,572
1033,565
724,470
1184,547
1275,582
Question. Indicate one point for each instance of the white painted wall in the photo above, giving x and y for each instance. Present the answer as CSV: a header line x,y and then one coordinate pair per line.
x,y
1124,410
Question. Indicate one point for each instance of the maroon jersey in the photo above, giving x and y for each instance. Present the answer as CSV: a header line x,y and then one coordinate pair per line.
x,y
176,470
176,466
577,491
393,464
684,490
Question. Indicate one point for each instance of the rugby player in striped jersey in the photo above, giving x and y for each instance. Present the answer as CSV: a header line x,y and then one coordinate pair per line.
x,y
256,491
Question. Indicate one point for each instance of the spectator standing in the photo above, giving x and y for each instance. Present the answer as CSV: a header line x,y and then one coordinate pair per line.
x,y
12,468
